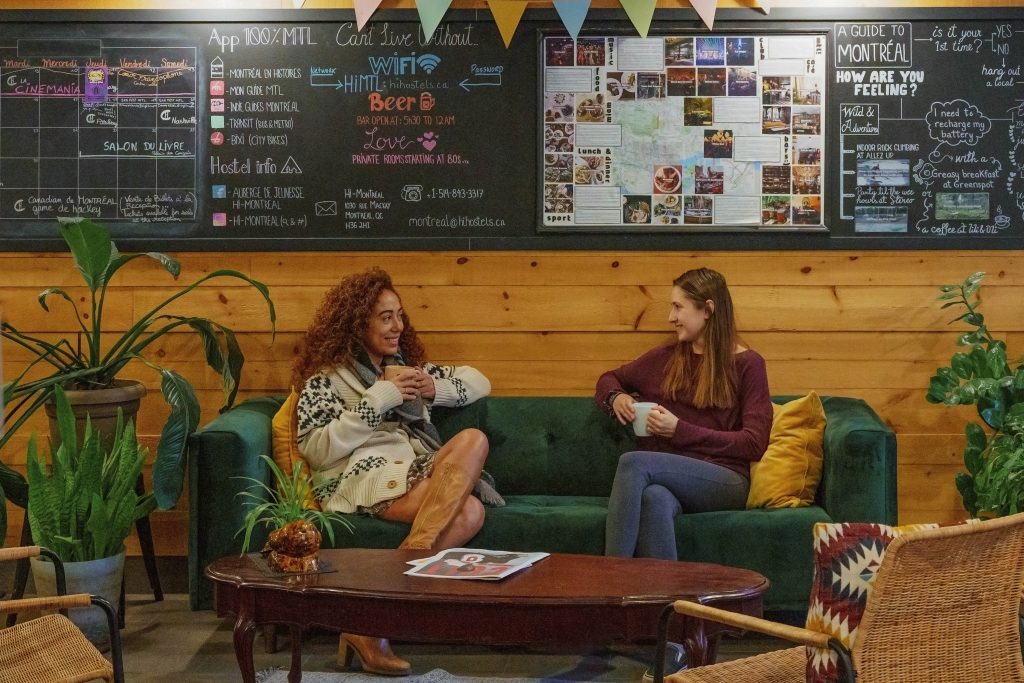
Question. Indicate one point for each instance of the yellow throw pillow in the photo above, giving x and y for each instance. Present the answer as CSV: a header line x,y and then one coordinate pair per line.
x,y
285,442
789,471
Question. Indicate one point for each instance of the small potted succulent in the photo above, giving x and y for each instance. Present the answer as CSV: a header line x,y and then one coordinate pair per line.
x,y
294,541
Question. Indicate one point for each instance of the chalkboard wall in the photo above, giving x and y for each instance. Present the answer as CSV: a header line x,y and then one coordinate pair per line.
x,y
292,130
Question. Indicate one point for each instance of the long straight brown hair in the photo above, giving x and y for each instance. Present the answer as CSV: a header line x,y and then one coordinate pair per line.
x,y
712,382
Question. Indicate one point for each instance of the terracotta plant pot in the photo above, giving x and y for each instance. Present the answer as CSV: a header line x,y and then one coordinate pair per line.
x,y
101,406
295,547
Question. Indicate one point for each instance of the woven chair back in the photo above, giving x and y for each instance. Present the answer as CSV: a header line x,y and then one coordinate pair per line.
x,y
945,607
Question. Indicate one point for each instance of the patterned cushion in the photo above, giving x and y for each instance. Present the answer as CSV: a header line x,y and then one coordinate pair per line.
x,y
846,558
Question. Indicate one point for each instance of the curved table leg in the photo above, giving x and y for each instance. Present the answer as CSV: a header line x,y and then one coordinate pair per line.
x,y
244,634
295,673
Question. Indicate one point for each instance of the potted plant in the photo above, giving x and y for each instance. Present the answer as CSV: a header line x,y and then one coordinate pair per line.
x,y
980,374
93,358
82,504
294,541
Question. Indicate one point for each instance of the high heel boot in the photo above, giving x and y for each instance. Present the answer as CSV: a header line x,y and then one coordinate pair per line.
x,y
375,655
449,489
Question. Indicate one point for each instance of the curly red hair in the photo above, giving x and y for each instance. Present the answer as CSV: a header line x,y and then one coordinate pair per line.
x,y
335,336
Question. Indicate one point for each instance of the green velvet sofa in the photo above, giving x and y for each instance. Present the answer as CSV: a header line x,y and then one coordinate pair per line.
x,y
553,459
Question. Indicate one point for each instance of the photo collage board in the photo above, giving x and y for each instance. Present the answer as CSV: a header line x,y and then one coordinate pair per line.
x,y
683,132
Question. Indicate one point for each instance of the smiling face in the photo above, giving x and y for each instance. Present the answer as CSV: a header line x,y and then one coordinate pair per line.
x,y
381,335
689,319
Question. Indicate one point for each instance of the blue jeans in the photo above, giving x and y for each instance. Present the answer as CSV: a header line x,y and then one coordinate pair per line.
x,y
650,489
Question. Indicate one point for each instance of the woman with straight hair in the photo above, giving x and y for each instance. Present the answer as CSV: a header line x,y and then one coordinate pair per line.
x,y
711,420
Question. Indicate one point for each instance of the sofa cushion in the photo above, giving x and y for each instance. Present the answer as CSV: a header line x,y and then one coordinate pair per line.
x,y
284,436
790,469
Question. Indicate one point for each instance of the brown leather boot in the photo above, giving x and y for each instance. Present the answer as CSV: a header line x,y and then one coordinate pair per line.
x,y
375,655
449,489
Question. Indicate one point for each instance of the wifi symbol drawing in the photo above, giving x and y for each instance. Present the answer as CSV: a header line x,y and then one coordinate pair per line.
x,y
428,62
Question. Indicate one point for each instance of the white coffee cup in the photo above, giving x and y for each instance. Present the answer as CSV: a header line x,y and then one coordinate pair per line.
x,y
642,408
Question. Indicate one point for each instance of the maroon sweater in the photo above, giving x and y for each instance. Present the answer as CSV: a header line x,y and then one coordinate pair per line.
x,y
731,437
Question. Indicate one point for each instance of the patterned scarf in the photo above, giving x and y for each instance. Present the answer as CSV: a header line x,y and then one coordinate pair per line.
x,y
411,414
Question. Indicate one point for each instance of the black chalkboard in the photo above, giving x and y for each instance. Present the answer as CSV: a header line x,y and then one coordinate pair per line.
x,y
292,130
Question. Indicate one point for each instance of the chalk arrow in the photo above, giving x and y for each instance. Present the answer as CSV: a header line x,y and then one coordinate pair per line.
x,y
491,79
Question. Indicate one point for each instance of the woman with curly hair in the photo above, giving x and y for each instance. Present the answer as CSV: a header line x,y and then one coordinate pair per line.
x,y
369,440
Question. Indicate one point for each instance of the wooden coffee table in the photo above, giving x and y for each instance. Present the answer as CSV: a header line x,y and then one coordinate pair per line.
x,y
563,599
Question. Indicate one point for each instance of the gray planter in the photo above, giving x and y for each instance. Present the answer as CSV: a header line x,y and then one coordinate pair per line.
x,y
97,577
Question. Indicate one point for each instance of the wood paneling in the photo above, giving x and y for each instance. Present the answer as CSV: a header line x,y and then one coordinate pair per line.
x,y
862,324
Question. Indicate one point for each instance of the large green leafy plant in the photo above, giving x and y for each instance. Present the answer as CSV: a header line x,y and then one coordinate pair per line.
x,y
82,504
980,374
93,357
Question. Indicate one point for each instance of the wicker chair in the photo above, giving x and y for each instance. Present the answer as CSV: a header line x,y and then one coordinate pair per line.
x,y
944,608
51,648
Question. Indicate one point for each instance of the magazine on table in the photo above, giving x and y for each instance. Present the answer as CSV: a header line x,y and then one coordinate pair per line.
x,y
473,563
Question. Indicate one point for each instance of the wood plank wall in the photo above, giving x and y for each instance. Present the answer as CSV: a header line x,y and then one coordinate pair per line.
x,y
862,324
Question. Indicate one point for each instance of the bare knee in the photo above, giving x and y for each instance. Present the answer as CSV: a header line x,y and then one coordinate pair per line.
x,y
473,439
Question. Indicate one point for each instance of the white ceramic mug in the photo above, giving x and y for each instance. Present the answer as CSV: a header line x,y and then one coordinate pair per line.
x,y
642,408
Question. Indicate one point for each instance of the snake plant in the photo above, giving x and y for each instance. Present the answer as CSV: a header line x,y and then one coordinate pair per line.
x,y
93,357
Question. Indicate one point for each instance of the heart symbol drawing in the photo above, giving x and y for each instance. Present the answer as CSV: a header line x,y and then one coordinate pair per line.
x,y
428,140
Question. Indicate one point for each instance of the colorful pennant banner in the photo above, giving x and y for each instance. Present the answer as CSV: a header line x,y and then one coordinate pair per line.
x,y
364,10
640,12
507,14
431,12
706,10
572,12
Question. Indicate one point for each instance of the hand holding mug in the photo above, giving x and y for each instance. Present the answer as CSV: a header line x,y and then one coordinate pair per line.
x,y
661,422
622,406
425,384
404,378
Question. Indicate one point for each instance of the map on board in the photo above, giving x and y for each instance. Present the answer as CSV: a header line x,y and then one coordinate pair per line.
x,y
697,132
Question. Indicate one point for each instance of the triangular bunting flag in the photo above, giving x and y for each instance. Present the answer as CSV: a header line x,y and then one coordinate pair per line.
x,y
431,13
507,14
706,10
764,5
572,12
364,10
640,12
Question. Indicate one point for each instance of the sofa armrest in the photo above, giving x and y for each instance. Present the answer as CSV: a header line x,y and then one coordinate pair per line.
x,y
858,482
220,454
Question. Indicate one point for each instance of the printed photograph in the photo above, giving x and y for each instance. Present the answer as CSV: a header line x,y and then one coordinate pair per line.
x,y
876,172
742,82
880,219
807,90
681,82
775,210
559,137
774,120
710,51
698,111
636,209
739,51
558,168
806,120
775,179
807,180
590,51
678,51
711,82
558,198
709,179
668,179
806,210
667,209
967,206
590,107
558,107
620,85
697,210
590,169
807,149
718,144
650,86
558,52
776,90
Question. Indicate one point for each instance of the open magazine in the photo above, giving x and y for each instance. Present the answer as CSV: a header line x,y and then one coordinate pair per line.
x,y
472,563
